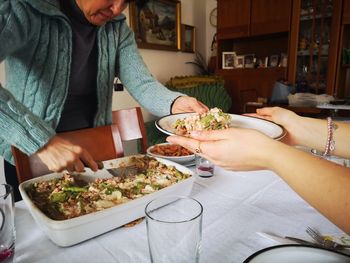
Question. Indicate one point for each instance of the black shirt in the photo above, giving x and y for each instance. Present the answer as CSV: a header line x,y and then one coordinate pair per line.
x,y
80,106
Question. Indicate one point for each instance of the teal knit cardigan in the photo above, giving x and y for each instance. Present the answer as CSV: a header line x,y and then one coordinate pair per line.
x,y
36,44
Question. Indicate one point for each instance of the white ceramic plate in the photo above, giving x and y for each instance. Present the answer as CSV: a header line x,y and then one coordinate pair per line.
x,y
178,159
297,253
271,129
72,231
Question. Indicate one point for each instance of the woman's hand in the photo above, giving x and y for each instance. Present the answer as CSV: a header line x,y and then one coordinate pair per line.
x,y
234,149
188,104
286,118
59,154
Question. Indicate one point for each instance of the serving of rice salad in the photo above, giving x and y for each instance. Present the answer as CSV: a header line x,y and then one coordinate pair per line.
x,y
214,119
68,196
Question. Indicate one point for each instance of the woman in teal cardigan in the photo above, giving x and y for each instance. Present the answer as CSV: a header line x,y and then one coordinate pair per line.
x,y
61,58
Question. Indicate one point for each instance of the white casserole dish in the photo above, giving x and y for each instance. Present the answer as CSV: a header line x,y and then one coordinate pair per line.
x,y
72,231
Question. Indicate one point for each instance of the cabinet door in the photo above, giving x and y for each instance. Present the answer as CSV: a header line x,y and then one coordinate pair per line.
x,y
270,16
346,10
233,18
314,45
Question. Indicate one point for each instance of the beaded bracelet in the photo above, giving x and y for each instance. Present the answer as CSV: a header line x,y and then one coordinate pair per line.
x,y
330,144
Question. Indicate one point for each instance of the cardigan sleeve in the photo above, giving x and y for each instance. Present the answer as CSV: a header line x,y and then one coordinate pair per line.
x,y
15,24
134,74
18,125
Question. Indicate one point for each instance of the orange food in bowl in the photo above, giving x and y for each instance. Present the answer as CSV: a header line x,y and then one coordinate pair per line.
x,y
170,150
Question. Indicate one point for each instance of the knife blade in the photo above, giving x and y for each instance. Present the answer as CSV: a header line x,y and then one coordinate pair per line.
x,y
286,239
123,171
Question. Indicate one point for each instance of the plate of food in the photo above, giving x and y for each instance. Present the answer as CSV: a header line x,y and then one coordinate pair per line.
x,y
215,119
172,152
297,253
71,208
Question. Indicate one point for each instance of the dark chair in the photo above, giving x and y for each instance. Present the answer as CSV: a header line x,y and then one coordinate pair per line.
x,y
131,126
103,143
245,96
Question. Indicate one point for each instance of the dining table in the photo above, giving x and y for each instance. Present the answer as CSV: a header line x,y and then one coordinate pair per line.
x,y
237,205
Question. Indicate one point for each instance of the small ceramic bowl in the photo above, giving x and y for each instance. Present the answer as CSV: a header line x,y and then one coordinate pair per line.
x,y
178,159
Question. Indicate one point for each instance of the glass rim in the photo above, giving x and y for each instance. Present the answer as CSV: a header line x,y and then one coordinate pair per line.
x,y
9,190
179,197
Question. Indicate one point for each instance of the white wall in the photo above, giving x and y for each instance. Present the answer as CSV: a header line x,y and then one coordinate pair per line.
x,y
210,30
166,64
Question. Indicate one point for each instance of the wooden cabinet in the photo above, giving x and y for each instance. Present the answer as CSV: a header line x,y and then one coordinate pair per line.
x,y
313,34
242,18
246,85
346,12
258,28
342,85
270,16
233,18
314,45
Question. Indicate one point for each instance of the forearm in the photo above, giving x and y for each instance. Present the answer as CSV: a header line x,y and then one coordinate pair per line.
x,y
323,184
135,75
313,133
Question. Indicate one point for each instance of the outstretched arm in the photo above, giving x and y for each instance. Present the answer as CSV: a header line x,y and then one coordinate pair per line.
x,y
323,184
144,88
308,131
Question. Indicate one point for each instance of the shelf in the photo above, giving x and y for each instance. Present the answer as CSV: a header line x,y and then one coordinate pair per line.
x,y
302,53
310,17
253,69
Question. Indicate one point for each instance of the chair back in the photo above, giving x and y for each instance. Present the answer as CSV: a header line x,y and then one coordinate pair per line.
x,y
103,143
131,125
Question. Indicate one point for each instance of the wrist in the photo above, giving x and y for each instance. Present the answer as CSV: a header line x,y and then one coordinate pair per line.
x,y
276,155
266,157
298,129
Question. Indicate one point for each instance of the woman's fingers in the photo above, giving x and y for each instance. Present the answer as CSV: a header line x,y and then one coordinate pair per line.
x,y
189,143
88,160
59,154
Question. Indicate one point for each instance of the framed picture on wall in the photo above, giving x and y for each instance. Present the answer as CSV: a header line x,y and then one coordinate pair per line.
x,y
156,24
188,34
228,60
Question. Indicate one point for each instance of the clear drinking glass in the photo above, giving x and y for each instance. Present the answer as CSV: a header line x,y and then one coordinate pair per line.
x,y
174,229
7,224
204,167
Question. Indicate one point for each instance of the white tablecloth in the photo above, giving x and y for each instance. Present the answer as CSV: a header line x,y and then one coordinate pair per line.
x,y
236,206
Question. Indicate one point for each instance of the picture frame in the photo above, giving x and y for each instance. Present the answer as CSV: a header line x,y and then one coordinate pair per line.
x,y
228,60
156,24
274,59
266,62
249,61
239,61
283,60
188,37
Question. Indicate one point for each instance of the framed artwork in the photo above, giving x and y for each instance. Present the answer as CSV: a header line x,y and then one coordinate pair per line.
x,y
239,61
188,34
228,60
274,60
249,61
156,24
